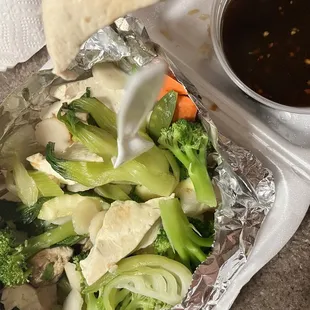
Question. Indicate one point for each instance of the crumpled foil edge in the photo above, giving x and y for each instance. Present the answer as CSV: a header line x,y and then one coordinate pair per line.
x,y
247,188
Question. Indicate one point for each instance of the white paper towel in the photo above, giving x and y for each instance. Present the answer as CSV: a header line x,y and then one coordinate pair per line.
x,y
21,31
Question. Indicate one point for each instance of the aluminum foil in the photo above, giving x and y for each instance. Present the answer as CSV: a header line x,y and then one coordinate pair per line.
x,y
247,188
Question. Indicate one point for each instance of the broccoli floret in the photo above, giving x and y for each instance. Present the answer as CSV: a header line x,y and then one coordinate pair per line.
x,y
205,228
13,257
162,245
189,143
181,234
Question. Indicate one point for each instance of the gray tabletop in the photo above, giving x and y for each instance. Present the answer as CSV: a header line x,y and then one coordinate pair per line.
x,y
283,284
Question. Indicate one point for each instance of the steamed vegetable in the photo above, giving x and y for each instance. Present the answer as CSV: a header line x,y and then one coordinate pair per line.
x,y
171,84
26,187
131,245
185,109
188,142
46,186
181,234
65,206
95,139
162,114
134,301
185,191
104,144
93,174
162,245
152,276
27,214
13,257
114,192
104,117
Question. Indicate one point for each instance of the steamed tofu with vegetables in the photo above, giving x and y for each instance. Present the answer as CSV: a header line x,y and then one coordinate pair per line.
x,y
135,233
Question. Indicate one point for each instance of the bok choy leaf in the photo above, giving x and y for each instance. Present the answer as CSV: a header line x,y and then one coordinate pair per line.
x,y
26,187
94,174
104,117
47,187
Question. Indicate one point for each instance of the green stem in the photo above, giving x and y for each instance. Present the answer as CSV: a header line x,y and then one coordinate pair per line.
x,y
203,242
180,156
48,239
203,186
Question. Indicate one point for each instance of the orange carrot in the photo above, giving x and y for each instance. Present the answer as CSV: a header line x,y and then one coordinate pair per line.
x,y
185,109
171,84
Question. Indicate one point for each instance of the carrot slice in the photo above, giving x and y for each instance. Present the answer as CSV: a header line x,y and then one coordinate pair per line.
x,y
171,84
185,109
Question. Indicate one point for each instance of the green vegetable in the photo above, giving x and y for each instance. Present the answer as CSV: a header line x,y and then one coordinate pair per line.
x,y
143,193
181,234
162,245
95,139
104,117
94,174
63,206
188,142
162,114
47,187
205,228
26,188
72,240
111,191
27,214
104,144
133,301
9,210
48,272
63,289
148,275
13,258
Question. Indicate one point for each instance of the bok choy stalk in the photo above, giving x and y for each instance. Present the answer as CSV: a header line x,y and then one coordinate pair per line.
x,y
112,191
26,187
104,117
47,187
102,143
95,139
149,275
94,174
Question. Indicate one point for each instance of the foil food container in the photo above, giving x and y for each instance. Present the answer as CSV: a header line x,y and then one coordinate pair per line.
x,y
247,188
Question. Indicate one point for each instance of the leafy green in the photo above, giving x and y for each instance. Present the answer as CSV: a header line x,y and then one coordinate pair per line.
x,y
13,257
162,114
46,186
26,187
148,275
94,174
28,214
104,117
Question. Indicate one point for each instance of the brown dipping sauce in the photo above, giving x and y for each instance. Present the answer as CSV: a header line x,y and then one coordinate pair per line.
x,y
267,44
